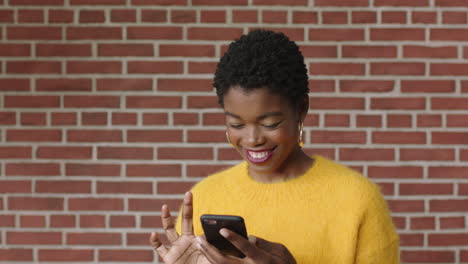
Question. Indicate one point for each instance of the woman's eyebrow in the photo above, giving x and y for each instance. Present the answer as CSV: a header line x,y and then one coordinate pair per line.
x,y
258,118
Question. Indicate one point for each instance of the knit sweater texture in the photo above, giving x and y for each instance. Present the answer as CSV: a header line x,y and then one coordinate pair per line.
x,y
330,214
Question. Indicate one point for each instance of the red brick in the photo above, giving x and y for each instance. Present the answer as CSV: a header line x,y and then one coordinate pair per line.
x,y
449,69
124,84
154,136
97,2
388,137
155,118
432,86
30,221
213,16
66,255
140,239
7,118
92,221
462,189
396,17
154,33
369,51
397,34
364,17
34,238
457,120
319,51
201,170
335,120
396,120
455,172
123,16
392,172
94,239
61,16
438,240
32,169
343,137
14,85
119,50
33,119
369,121
75,169
33,135
153,170
294,34
206,136
154,102
411,239
186,50
213,119
63,50
64,119
33,33
155,67
334,17
80,67
131,255
274,16
449,34
152,205
412,3
424,17
125,187
418,223
94,33
91,101
15,152
337,68
412,206
36,2
449,138
34,67
174,187
427,256
185,85
366,86
246,16
183,16
185,153
229,154
454,17
150,221
92,16
35,204
7,16
336,34
449,103
361,154
342,3
95,204
451,3
154,16
15,50
63,186
94,135
203,102
94,118
118,221
202,67
159,2
452,205
280,2
390,103
60,221
336,103
32,101
63,85
124,118
319,86
397,68
15,186
426,189
452,222
428,120
125,153
212,33
67,152
219,2
6,221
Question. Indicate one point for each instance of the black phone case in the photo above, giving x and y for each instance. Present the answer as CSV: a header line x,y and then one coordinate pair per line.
x,y
213,223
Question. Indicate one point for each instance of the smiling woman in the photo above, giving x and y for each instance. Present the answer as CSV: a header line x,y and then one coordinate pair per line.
x,y
299,208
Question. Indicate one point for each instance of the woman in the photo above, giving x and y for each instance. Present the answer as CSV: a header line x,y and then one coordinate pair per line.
x,y
299,208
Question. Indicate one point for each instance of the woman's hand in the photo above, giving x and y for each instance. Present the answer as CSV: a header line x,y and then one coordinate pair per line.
x,y
255,249
182,249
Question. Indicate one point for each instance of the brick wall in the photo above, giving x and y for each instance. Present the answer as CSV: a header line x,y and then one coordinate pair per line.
x,y
107,111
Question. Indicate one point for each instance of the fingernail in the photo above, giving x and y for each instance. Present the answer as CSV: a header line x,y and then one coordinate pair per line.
x,y
224,232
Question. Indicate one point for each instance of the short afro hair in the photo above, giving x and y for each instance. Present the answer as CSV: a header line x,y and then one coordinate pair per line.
x,y
263,58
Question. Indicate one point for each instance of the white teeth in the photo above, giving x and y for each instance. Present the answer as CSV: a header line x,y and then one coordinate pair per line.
x,y
258,155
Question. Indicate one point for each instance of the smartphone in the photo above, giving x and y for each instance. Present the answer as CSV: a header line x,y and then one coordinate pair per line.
x,y
213,223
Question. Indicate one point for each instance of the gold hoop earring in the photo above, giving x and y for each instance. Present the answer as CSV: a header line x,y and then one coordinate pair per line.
x,y
229,141
301,131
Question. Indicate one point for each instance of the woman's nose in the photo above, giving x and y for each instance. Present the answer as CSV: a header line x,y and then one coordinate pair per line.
x,y
254,137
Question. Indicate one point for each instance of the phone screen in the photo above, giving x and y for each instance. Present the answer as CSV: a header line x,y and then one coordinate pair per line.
x,y
213,223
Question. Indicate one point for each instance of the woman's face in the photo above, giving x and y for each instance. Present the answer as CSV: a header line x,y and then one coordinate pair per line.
x,y
263,127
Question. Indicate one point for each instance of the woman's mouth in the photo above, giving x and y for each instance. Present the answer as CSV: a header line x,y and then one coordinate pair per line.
x,y
259,156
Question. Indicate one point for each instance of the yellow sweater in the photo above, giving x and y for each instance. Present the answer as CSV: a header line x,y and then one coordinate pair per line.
x,y
331,214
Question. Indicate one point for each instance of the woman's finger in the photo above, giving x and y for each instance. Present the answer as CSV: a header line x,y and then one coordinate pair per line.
x,y
187,214
211,253
158,245
168,224
244,245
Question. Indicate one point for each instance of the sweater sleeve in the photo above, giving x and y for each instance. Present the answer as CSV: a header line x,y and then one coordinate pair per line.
x,y
378,241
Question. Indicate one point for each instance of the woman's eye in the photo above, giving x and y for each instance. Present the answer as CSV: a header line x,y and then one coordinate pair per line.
x,y
235,125
271,126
